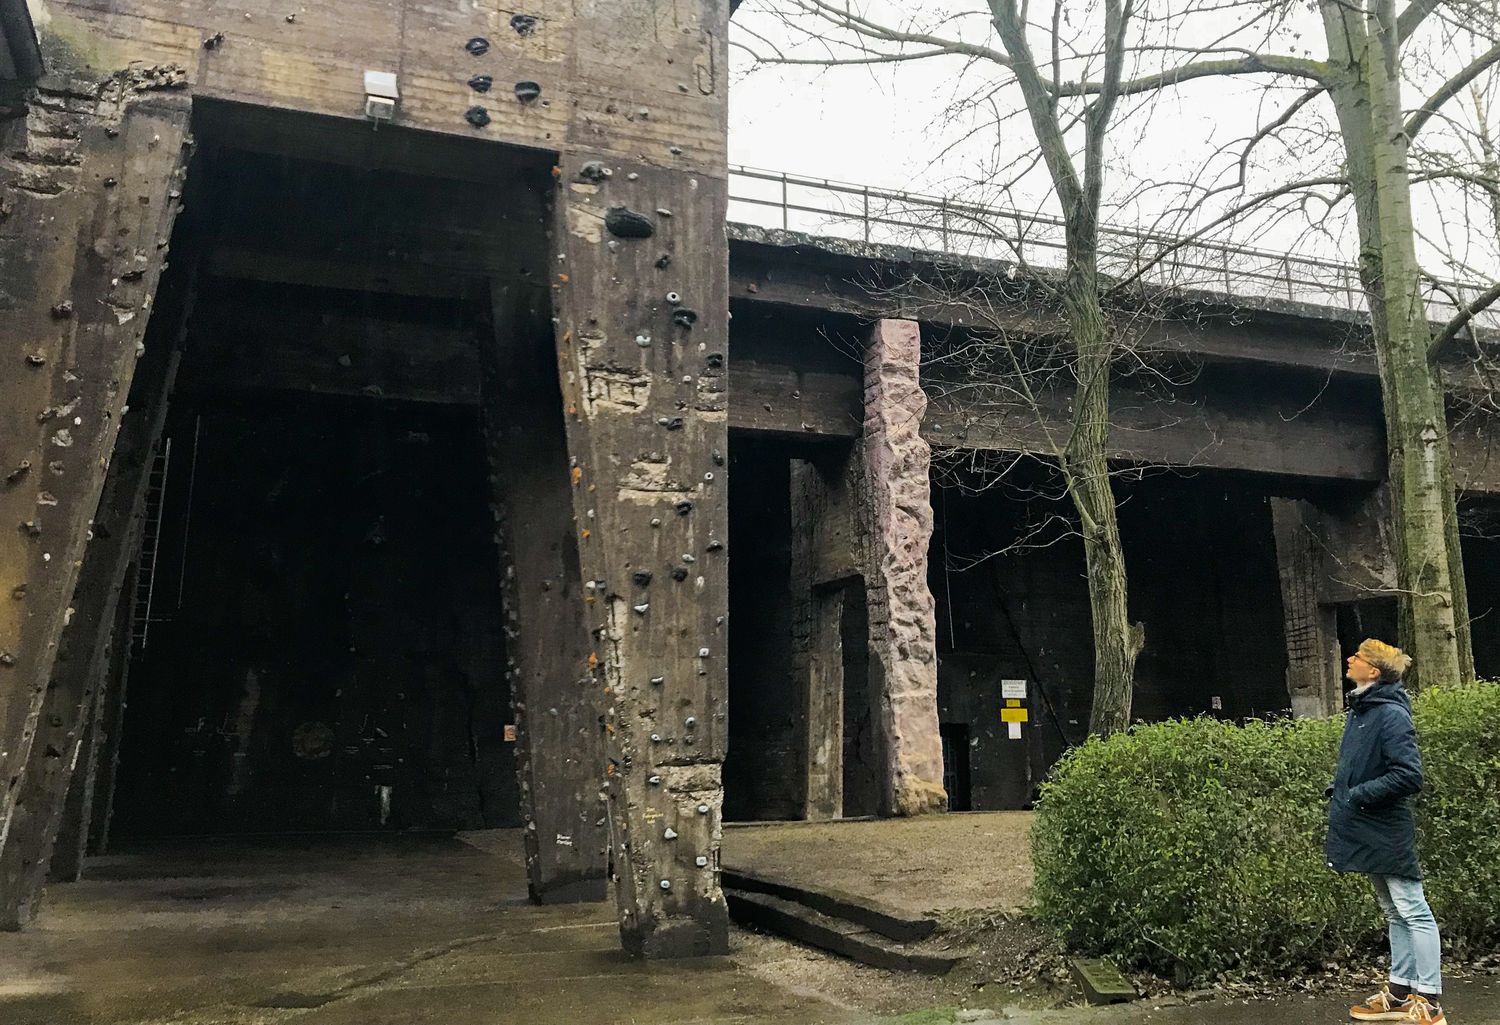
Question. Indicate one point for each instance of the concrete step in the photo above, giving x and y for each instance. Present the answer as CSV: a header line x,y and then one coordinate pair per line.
x,y
837,935
890,922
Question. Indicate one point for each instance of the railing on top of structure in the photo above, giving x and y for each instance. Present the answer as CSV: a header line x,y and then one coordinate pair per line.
x,y
774,199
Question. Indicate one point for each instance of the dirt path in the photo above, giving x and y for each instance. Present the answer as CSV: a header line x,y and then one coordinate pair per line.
x,y
936,862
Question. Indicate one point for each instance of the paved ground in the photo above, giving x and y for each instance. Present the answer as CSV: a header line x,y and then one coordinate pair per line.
x,y
366,931
436,931
935,862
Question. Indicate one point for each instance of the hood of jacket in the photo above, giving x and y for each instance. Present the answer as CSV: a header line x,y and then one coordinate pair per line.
x,y
1381,693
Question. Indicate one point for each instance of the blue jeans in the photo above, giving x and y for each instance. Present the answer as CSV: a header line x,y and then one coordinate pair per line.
x,y
1416,951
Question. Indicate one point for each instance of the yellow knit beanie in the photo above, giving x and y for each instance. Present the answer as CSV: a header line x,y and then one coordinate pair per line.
x,y
1389,659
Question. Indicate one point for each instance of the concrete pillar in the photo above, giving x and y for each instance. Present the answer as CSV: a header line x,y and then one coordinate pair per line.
x,y
555,704
1312,678
896,505
90,180
641,298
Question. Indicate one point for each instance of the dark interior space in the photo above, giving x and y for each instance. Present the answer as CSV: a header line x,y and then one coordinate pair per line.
x,y
759,777
863,761
1479,529
1013,612
317,627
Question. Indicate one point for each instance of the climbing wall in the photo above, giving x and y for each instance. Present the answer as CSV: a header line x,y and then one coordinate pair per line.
x,y
642,324
89,186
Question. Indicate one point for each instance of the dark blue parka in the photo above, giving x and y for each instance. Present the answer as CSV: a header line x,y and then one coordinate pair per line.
x,y
1370,825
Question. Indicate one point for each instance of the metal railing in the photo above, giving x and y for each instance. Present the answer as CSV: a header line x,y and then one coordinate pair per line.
x,y
819,206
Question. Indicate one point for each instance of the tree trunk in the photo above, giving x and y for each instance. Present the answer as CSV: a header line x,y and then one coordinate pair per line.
x,y
1429,563
1116,641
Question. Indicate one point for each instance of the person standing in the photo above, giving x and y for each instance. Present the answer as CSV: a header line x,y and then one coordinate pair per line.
x,y
1371,831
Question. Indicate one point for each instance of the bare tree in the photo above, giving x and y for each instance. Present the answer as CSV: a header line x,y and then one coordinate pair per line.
x,y
1070,144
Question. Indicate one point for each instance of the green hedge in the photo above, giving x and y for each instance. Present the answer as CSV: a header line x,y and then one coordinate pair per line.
x,y
1197,845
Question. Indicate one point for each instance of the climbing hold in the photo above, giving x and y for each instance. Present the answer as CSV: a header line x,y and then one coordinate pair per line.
x,y
655,522
669,833
644,341
662,211
673,298
680,574
684,317
21,470
703,653
673,423
714,360
213,41
31,528
7,660
594,171
477,116
654,781
291,19
642,608
690,721
656,738
700,861
642,578
63,310
527,91
624,222
717,457
663,261
524,24
708,476
676,151
481,83
715,546
18,592
702,809
666,884
683,507
478,46
657,681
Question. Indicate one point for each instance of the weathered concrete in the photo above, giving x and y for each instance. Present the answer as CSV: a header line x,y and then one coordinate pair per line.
x,y
1326,557
903,628
642,338
559,742
91,179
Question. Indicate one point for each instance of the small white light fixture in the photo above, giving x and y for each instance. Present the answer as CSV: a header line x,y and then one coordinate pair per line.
x,y
380,96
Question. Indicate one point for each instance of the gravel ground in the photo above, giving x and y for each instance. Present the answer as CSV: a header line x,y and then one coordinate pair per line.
x,y
965,860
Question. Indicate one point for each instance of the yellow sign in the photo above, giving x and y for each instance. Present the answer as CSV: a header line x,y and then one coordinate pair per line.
x,y
1012,702
1013,715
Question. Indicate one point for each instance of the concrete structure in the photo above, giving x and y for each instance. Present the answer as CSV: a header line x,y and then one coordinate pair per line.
x,y
392,450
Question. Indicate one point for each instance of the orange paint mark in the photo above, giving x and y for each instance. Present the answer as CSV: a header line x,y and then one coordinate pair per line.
x,y
578,476
584,533
564,278
593,661
556,171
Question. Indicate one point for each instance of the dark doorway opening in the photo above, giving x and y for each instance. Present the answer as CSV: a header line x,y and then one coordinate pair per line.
x,y
956,764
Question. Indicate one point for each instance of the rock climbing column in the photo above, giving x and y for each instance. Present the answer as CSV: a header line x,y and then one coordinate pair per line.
x,y
897,512
88,192
642,325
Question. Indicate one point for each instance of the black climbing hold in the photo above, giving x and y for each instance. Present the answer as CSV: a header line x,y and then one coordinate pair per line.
x,y
714,360
527,91
684,317
642,578
478,46
36,359
673,423
594,171
7,659
717,457
524,24
110,183
481,83
680,574
21,470
31,528
664,261
683,507
715,546
477,116
624,222
63,310
213,41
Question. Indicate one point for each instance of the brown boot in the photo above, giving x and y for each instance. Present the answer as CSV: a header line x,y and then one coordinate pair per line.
x,y
1382,1007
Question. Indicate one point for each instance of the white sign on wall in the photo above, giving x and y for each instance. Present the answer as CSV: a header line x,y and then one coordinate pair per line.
x,y
1013,689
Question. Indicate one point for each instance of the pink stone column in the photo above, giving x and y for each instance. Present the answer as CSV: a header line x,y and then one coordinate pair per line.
x,y
903,622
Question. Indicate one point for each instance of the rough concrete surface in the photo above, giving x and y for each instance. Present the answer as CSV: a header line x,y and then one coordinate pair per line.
x,y
969,860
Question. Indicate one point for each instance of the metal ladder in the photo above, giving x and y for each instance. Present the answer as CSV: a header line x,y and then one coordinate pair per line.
x,y
145,576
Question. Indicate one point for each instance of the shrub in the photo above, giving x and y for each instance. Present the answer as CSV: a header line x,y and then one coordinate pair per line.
x,y
1197,845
